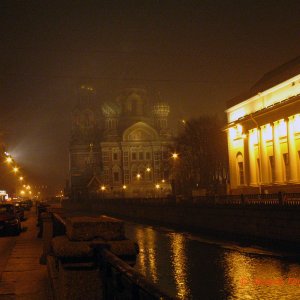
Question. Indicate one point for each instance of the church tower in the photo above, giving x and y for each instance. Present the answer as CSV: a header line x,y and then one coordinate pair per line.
x,y
84,146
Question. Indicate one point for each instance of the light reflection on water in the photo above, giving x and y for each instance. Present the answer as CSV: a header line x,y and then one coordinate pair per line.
x,y
188,268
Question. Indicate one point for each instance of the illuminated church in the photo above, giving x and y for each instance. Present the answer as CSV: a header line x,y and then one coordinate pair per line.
x,y
264,134
120,148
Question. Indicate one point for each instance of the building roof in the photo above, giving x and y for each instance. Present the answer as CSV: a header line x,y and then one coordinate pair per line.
x,y
270,79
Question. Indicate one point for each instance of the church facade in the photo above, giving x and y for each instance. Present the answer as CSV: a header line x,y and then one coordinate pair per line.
x,y
264,134
121,148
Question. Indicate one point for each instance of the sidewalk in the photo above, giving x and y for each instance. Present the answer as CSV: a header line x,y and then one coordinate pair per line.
x,y
24,277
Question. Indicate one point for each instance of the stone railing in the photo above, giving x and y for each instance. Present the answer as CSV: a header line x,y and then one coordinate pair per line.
x,y
90,258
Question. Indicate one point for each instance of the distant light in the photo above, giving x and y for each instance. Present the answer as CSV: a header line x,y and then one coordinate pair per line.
x,y
8,160
103,188
15,169
22,192
157,186
175,155
163,181
21,178
138,176
148,169
124,187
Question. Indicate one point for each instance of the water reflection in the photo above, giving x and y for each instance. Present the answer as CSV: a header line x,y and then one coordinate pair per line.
x,y
179,262
147,256
261,277
187,267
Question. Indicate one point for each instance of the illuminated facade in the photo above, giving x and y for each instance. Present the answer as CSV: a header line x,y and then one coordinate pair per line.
x,y
264,134
122,148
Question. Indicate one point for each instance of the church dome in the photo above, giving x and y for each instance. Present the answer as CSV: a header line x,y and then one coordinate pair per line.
x,y
111,109
161,109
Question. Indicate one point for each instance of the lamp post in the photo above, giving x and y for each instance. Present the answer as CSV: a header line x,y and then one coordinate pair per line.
x,y
102,189
174,157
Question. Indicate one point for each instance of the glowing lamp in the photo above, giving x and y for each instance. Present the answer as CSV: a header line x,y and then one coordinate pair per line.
x,y
8,160
124,187
103,188
157,186
175,155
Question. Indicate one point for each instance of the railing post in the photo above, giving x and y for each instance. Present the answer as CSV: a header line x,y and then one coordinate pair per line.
x,y
280,198
47,227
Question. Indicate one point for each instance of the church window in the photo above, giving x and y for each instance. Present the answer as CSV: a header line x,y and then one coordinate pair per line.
x,y
165,155
116,176
141,155
133,155
105,156
148,155
156,155
115,156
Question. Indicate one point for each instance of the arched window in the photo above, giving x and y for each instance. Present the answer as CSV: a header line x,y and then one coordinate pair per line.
x,y
240,169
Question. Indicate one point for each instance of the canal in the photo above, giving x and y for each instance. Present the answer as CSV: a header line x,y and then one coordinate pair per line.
x,y
189,267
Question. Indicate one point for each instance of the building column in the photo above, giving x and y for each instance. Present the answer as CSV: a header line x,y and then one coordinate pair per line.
x,y
277,155
253,140
264,155
294,177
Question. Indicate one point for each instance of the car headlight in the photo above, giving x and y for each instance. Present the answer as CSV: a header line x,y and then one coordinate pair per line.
x,y
12,222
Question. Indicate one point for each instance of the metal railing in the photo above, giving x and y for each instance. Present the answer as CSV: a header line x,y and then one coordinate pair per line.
x,y
282,199
123,282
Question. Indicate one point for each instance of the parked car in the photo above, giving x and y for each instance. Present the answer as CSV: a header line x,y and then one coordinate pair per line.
x,y
20,210
26,204
9,219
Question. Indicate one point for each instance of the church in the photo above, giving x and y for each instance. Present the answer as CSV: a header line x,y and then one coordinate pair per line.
x,y
120,148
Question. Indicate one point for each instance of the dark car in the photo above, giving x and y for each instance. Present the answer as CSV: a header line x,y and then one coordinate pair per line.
x,y
20,210
26,204
9,219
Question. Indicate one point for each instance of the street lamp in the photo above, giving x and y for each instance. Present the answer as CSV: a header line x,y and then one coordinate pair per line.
x,y
102,189
8,159
15,169
21,178
138,176
174,155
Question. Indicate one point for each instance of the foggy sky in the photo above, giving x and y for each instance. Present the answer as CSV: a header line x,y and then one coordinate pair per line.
x,y
198,54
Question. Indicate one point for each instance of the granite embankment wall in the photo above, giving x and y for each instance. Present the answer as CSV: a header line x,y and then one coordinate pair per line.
x,y
274,225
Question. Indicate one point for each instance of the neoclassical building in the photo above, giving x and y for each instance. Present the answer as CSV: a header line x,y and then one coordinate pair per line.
x,y
264,134
120,148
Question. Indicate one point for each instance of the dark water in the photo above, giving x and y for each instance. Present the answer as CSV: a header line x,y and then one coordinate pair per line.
x,y
189,267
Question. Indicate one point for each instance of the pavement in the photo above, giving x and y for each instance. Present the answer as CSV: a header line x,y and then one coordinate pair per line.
x,y
23,276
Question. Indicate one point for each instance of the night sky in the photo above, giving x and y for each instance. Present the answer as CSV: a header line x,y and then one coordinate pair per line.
x,y
197,54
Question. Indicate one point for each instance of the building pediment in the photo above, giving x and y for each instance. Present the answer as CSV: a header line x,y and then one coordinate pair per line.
x,y
140,131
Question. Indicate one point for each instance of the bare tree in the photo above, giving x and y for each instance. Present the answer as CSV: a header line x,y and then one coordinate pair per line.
x,y
203,156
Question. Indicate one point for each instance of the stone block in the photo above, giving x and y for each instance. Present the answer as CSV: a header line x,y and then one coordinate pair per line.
x,y
63,247
78,284
89,228
125,247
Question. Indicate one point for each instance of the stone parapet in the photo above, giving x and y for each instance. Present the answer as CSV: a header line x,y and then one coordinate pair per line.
x,y
89,228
